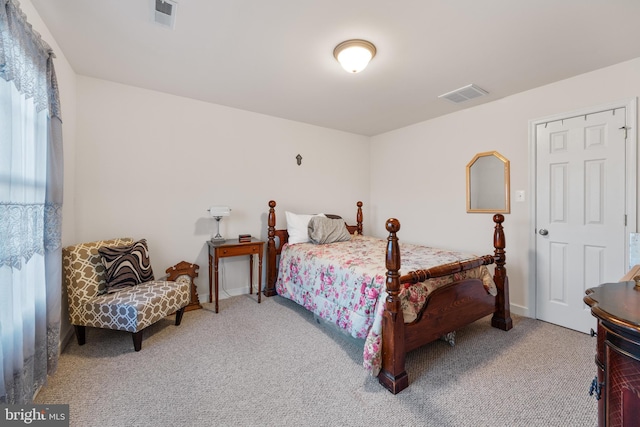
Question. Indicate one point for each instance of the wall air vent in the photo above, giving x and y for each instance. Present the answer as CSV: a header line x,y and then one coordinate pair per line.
x,y
165,13
464,94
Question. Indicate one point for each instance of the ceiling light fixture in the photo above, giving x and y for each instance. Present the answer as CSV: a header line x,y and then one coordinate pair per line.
x,y
354,55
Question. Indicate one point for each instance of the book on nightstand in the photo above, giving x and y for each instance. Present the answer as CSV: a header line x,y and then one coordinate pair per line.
x,y
242,238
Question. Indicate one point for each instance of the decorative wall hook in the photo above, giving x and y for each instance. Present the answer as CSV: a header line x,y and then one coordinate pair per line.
x,y
299,159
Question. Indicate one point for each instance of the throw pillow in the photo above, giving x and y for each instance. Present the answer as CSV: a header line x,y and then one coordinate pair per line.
x,y
297,227
328,230
126,266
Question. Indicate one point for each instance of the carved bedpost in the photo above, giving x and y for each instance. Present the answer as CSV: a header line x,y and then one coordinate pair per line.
x,y
359,218
502,317
393,375
272,270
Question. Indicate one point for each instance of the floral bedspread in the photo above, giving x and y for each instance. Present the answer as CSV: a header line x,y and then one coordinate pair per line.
x,y
344,283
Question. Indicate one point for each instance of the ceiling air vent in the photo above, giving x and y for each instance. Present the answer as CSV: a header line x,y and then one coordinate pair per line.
x,y
165,13
464,94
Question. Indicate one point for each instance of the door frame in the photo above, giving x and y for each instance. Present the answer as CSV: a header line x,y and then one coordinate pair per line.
x,y
631,156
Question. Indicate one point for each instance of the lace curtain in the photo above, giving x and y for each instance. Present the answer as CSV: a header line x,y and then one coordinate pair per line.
x,y
30,208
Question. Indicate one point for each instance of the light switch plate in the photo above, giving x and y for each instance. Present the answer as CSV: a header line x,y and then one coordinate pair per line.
x,y
520,196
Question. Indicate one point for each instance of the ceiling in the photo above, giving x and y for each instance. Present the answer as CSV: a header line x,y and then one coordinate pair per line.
x,y
276,57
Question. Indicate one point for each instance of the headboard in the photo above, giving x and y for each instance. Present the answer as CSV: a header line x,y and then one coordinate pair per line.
x,y
274,248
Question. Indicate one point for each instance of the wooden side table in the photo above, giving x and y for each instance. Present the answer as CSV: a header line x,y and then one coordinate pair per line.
x,y
231,248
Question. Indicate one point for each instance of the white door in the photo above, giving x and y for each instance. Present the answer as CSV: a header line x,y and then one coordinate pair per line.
x,y
580,213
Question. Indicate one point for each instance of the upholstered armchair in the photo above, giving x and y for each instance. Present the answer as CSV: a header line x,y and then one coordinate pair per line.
x,y
102,297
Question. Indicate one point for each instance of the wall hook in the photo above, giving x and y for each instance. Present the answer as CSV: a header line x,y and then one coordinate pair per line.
x,y
299,159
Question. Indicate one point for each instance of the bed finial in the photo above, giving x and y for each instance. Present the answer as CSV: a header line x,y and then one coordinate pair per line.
x,y
271,220
359,218
392,225
498,239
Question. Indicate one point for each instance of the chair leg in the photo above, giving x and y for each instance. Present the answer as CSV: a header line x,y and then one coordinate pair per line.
x,y
179,314
81,334
137,340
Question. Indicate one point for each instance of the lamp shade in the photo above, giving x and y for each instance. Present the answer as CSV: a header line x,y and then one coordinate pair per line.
x,y
354,55
216,211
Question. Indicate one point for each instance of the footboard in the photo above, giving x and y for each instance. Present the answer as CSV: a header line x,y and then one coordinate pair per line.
x,y
447,308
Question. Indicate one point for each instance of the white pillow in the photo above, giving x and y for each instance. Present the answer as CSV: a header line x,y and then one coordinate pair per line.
x,y
297,227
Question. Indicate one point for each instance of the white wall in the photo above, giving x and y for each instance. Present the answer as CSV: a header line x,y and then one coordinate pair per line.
x,y
426,189
148,165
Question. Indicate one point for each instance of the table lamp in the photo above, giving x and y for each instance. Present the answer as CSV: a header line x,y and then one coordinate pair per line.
x,y
217,212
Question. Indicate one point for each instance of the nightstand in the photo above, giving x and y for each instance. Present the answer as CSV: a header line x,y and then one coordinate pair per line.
x,y
231,248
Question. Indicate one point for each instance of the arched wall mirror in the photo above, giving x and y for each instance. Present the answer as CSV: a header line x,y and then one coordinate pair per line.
x,y
488,183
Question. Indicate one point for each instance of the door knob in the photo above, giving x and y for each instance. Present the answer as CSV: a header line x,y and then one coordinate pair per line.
x,y
543,232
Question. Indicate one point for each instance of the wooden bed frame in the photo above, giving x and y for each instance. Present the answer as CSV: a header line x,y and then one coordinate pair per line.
x,y
447,308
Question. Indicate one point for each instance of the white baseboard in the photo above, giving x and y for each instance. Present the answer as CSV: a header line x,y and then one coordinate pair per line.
x,y
226,293
519,310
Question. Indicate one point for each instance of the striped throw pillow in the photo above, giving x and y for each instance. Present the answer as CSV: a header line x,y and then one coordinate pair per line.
x,y
126,266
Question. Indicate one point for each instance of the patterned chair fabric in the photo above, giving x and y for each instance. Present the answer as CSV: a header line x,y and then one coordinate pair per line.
x,y
131,309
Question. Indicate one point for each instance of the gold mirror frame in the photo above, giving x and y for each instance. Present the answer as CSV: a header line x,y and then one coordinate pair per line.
x,y
488,183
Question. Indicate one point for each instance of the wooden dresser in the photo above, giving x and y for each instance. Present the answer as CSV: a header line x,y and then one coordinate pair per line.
x,y
617,383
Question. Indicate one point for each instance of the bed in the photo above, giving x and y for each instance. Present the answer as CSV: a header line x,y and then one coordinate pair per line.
x,y
394,312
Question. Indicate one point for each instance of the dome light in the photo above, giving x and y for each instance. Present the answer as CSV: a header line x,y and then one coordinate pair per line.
x,y
354,55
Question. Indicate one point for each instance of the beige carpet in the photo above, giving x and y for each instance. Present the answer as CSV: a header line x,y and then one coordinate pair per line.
x,y
272,364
